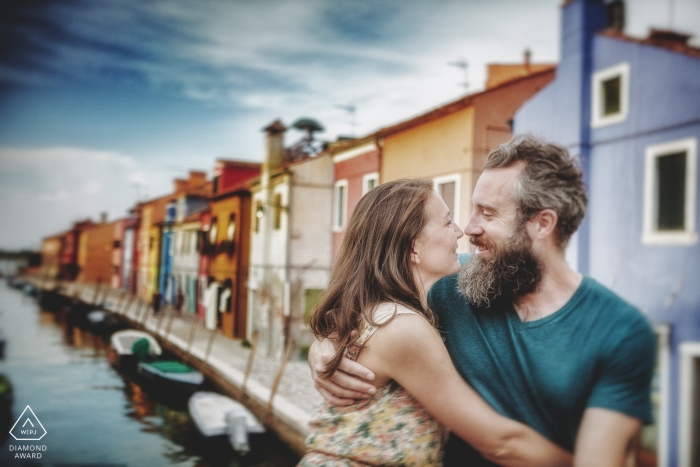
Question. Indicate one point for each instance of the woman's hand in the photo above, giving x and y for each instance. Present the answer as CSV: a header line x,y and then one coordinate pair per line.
x,y
346,385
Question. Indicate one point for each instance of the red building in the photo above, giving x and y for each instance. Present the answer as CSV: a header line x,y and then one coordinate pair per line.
x,y
356,166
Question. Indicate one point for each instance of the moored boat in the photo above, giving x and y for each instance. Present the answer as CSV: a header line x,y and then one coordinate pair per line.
x,y
216,415
173,378
122,348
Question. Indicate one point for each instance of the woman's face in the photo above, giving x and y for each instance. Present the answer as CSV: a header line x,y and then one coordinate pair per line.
x,y
435,249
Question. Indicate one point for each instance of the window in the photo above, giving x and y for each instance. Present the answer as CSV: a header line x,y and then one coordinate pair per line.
x,y
610,94
369,181
689,410
448,188
231,230
213,231
340,205
669,193
277,211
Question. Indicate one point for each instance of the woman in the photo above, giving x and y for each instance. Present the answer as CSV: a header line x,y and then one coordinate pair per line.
x,y
398,243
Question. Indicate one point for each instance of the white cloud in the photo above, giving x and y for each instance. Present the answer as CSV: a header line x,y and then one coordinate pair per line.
x,y
49,188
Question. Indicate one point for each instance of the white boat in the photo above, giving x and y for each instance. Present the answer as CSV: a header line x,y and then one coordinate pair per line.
x,y
217,415
123,341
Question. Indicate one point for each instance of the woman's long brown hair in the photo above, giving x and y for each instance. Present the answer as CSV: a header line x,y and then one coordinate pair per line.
x,y
373,265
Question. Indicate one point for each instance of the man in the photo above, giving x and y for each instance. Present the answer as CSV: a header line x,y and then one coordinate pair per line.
x,y
540,342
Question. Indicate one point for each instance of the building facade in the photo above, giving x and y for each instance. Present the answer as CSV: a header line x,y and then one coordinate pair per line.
x,y
449,144
229,247
290,241
636,131
356,167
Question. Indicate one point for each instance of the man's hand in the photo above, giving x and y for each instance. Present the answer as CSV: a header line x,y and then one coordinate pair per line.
x,y
345,386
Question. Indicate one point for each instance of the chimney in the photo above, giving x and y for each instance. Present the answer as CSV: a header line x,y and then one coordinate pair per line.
x,y
528,55
180,186
274,140
615,15
668,38
103,217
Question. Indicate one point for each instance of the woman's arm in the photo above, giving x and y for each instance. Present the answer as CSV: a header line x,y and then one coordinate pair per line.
x,y
409,351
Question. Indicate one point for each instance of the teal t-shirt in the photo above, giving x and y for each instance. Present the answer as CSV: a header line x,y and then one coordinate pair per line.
x,y
596,351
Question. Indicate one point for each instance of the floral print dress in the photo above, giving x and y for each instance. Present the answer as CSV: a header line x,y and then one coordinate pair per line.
x,y
391,428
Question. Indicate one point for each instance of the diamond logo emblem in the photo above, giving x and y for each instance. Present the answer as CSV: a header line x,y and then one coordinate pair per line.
x,y
28,427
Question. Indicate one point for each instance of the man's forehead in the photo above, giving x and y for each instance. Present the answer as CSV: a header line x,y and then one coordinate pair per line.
x,y
495,186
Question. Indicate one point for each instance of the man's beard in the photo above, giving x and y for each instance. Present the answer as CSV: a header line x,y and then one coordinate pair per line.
x,y
512,272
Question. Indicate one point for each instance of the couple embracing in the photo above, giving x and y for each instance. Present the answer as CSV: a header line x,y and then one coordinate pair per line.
x,y
509,353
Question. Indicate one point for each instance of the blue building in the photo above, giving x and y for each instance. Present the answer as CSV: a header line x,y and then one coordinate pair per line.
x,y
165,280
630,108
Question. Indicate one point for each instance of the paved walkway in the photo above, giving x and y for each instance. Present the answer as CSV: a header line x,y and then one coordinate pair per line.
x,y
296,398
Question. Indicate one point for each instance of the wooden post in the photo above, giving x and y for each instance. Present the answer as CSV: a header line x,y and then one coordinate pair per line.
x,y
162,314
97,293
145,314
210,344
122,294
127,305
278,377
190,340
251,357
169,327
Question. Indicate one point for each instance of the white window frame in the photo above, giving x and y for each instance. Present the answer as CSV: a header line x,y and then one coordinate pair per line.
x,y
337,227
688,352
597,118
689,236
663,333
365,181
455,177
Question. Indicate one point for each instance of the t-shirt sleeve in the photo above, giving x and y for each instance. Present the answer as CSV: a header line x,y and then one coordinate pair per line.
x,y
625,373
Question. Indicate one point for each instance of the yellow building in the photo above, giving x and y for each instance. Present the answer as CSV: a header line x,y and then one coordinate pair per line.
x,y
450,143
152,217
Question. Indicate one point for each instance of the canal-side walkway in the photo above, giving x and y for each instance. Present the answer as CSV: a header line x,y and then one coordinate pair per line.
x,y
280,393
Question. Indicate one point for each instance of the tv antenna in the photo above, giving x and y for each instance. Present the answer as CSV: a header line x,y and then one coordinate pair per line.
x,y
462,63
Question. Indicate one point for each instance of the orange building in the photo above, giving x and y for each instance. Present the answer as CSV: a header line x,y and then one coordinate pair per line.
x,y
51,249
95,250
449,144
228,247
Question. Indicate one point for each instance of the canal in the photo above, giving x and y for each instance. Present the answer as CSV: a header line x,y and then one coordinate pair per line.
x,y
92,414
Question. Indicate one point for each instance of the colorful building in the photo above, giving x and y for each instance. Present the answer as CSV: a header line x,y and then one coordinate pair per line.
x,y
290,239
149,236
95,253
179,256
636,130
51,249
450,143
130,251
356,165
69,269
228,247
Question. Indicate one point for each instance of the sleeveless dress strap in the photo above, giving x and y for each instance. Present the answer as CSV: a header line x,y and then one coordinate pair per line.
x,y
382,313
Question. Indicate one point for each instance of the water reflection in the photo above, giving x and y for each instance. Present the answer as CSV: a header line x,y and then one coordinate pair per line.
x,y
93,413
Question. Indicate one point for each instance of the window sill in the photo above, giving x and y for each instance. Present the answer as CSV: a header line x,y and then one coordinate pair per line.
x,y
669,238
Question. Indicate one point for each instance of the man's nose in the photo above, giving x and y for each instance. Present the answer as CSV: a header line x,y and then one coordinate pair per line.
x,y
472,227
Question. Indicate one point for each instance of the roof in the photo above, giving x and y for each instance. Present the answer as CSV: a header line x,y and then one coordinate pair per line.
x,y
457,105
669,40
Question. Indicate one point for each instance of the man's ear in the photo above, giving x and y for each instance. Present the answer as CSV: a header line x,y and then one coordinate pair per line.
x,y
545,223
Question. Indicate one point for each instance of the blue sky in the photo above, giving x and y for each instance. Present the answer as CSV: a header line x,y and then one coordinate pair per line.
x,y
103,103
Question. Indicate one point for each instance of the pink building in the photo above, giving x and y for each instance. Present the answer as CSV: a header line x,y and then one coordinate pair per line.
x,y
356,171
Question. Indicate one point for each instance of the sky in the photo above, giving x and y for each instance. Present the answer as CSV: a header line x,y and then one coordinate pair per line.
x,y
104,102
